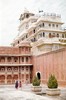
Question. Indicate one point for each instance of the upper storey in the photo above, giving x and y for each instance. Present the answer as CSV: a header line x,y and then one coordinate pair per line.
x,y
35,26
29,20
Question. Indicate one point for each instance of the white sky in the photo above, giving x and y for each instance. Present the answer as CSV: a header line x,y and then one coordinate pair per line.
x,y
10,11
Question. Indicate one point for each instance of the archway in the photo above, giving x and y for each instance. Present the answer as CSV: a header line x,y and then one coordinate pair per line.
x,y
9,79
15,77
2,79
39,75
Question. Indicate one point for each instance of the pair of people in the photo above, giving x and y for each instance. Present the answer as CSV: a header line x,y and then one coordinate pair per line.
x,y
18,84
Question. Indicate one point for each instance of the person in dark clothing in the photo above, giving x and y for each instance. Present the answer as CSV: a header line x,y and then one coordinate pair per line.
x,y
16,84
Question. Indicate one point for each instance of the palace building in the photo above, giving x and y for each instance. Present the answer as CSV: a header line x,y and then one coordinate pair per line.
x,y
43,30
39,49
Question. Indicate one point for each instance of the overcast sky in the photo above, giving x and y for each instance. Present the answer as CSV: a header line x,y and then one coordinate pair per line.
x,y
10,11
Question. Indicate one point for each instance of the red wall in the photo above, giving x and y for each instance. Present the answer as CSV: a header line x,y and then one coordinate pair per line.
x,y
51,63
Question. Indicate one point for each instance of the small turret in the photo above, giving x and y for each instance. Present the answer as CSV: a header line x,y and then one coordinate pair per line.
x,y
26,14
25,47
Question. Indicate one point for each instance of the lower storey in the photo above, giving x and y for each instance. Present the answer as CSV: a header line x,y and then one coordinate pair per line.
x,y
9,76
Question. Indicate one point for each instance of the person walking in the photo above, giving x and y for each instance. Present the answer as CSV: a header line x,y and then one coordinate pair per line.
x,y
16,84
20,84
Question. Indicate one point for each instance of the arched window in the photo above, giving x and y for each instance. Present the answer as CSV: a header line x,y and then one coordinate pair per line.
x,y
18,42
40,35
43,34
49,25
43,24
26,36
26,59
62,35
2,59
22,59
65,35
53,34
15,59
27,68
57,35
22,67
49,35
34,30
34,39
27,16
57,25
53,25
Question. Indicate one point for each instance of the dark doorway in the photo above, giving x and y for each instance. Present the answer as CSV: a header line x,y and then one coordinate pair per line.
x,y
38,75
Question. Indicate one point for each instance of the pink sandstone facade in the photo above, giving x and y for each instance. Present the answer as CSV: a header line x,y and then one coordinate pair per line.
x,y
51,63
17,63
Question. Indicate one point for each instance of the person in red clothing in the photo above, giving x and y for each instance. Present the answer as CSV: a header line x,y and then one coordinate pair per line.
x,y
20,84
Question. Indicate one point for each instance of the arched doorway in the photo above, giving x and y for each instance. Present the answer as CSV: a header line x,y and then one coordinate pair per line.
x,y
2,79
15,77
9,79
39,75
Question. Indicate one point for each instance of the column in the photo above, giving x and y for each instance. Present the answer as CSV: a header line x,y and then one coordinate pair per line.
x,y
12,74
5,59
5,75
25,74
29,74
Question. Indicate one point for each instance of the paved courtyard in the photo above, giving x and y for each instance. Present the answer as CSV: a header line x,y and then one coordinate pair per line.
x,y
24,93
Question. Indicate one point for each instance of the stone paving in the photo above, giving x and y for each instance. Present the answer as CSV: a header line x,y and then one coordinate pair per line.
x,y
24,93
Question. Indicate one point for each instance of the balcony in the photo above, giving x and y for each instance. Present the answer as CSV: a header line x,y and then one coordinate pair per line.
x,y
2,72
62,40
23,64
